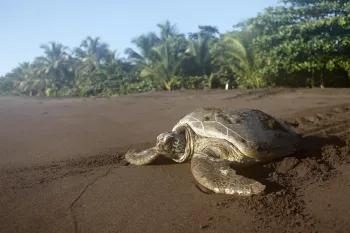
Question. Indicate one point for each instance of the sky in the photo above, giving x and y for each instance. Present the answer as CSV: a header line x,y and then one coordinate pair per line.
x,y
26,24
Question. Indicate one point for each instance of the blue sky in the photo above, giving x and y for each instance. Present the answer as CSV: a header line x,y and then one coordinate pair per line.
x,y
26,24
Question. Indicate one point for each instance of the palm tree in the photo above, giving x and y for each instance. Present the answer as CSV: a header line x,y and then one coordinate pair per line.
x,y
53,65
199,51
144,43
167,30
92,52
165,66
235,51
25,80
160,57
22,72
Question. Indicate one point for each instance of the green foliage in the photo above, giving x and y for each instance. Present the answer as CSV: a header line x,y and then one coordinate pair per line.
x,y
236,53
298,43
304,36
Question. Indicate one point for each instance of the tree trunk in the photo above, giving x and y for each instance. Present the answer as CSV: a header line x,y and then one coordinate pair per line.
x,y
322,83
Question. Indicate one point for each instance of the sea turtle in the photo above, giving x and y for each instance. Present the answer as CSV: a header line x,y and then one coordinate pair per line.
x,y
217,140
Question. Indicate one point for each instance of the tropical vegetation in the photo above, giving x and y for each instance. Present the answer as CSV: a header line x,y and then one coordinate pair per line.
x,y
296,44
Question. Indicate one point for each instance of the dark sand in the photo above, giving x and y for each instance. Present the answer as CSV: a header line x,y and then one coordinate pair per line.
x,y
62,166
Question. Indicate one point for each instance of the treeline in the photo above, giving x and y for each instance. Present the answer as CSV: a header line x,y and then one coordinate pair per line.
x,y
299,43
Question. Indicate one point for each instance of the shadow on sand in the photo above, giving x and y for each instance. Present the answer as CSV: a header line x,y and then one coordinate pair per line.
x,y
311,148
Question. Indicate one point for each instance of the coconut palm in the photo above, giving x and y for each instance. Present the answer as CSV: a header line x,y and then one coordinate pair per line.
x,y
166,65
92,52
26,81
53,65
167,30
236,52
160,58
199,50
144,43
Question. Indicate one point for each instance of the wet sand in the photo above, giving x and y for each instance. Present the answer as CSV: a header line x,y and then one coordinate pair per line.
x,y
62,167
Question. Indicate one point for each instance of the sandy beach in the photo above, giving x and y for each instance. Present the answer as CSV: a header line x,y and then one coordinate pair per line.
x,y
62,166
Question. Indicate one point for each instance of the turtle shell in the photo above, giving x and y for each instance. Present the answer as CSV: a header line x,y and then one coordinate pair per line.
x,y
253,132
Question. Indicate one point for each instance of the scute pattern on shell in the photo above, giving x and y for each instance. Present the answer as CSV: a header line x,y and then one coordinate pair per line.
x,y
252,131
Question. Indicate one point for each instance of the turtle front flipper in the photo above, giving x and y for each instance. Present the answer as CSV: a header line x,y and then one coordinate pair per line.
x,y
142,157
216,175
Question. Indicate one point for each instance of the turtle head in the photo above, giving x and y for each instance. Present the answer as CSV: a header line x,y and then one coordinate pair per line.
x,y
172,145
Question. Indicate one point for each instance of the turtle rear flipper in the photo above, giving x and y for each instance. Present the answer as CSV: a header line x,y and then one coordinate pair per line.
x,y
216,175
143,157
